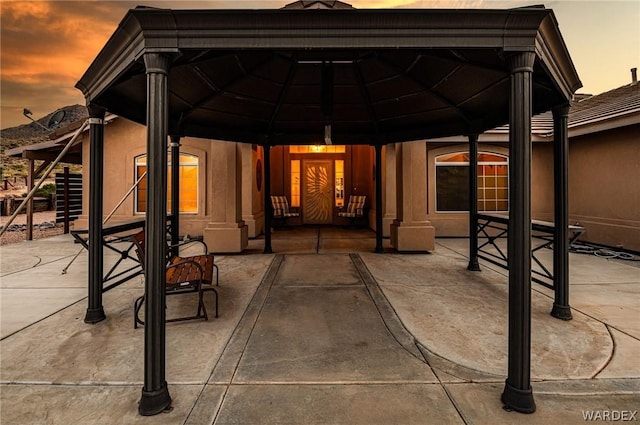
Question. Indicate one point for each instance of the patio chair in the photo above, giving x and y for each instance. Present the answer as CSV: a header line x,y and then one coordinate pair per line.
x,y
281,210
355,208
184,275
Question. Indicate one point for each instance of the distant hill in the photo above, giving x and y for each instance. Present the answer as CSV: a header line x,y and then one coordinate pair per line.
x,y
30,131
28,134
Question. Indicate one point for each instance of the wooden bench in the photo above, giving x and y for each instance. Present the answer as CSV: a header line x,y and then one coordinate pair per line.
x,y
184,275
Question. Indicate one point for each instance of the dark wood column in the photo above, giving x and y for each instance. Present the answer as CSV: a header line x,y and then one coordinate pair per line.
x,y
561,308
175,194
268,210
379,247
95,311
473,204
518,394
155,394
30,182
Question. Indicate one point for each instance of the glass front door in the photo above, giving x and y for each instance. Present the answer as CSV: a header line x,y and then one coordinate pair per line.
x,y
317,192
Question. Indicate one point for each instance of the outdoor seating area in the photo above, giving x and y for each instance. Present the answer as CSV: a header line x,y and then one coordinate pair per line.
x,y
281,210
184,275
355,209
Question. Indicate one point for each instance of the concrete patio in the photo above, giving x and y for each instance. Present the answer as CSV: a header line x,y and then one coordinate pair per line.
x,y
322,332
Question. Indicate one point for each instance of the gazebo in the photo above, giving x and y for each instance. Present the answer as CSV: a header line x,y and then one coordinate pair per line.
x,y
323,72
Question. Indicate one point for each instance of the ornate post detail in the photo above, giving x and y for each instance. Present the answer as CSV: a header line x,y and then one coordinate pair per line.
x,y
155,394
473,204
561,308
518,394
378,175
175,193
268,210
95,311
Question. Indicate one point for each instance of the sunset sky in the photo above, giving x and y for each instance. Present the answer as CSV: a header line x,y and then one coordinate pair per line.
x,y
46,46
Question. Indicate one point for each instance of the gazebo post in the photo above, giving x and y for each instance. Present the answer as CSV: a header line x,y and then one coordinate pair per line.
x,y
30,182
267,199
561,309
95,311
155,394
518,394
175,194
378,176
473,204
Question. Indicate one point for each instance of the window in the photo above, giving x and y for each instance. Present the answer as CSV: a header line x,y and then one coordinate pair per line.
x,y
188,184
317,149
295,183
452,182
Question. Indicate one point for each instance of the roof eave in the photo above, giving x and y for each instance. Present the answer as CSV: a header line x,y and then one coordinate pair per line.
x,y
554,56
164,30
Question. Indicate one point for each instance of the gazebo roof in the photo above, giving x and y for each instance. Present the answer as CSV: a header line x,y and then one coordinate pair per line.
x,y
376,76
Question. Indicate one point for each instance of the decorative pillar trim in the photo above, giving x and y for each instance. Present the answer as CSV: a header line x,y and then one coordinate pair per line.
x,y
561,309
518,394
95,310
473,204
155,394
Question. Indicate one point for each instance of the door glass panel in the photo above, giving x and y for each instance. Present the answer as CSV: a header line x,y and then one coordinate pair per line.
x,y
339,183
318,193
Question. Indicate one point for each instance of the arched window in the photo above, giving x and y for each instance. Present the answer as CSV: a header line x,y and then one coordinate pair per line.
x,y
452,182
188,184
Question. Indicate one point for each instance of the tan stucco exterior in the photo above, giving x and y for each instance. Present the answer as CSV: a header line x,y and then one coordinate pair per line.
x,y
604,188
231,186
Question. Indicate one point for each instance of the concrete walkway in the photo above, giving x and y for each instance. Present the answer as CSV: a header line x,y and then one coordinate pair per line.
x,y
324,332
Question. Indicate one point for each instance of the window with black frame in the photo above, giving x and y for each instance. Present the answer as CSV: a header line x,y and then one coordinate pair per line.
x,y
452,182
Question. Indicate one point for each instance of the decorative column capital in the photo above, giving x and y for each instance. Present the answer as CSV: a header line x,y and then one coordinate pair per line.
x,y
561,111
157,63
521,62
175,141
96,112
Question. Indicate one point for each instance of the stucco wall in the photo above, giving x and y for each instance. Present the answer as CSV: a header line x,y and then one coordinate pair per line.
x,y
123,142
604,193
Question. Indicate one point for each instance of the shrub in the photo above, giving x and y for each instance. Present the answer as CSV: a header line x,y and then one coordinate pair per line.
x,y
46,190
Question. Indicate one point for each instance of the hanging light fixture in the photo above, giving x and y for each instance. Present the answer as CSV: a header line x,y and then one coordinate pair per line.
x,y
326,99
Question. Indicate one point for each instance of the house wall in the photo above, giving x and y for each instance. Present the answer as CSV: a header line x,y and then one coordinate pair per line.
x,y
253,184
456,224
604,193
125,140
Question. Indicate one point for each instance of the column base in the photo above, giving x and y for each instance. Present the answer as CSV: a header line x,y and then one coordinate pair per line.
x,y
413,237
94,315
387,222
561,312
474,266
226,239
255,224
518,400
154,402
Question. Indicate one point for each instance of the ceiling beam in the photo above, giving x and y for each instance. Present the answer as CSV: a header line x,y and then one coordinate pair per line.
x,y
430,90
218,91
293,66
